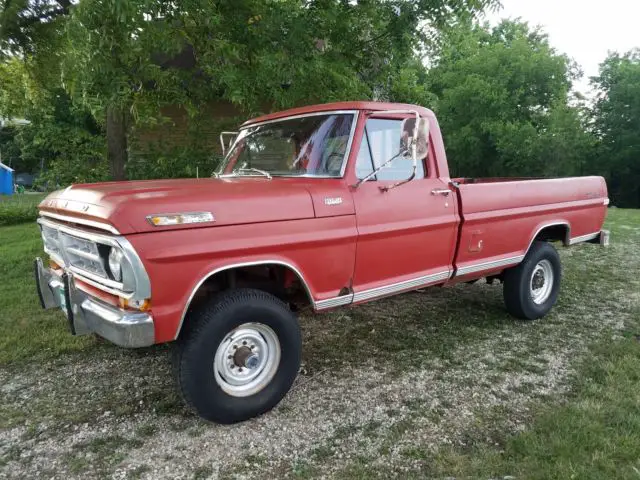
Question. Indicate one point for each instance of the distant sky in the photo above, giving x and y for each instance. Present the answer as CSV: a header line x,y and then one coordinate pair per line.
x,y
583,29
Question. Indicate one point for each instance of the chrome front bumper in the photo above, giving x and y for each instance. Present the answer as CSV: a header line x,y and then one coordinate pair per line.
x,y
87,314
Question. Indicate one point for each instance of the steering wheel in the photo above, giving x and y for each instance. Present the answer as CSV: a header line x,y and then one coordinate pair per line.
x,y
328,162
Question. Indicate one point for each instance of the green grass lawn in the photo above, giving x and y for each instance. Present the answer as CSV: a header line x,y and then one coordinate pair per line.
x,y
593,433
461,335
26,331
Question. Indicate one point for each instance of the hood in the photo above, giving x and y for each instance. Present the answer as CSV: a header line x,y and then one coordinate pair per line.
x,y
232,201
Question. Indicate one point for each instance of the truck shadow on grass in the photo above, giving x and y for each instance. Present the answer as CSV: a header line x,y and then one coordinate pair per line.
x,y
400,333
405,331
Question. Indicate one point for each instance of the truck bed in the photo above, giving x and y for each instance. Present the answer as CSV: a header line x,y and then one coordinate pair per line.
x,y
500,217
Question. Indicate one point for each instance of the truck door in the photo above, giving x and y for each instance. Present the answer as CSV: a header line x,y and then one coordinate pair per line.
x,y
406,235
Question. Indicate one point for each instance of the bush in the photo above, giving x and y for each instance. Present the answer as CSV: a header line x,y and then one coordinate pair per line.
x,y
173,162
19,208
73,169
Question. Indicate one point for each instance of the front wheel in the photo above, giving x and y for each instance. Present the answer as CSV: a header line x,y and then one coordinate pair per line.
x,y
531,288
239,356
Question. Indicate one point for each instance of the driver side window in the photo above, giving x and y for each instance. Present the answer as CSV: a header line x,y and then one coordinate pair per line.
x,y
380,142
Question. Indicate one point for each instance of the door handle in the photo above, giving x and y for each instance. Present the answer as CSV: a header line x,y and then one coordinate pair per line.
x,y
441,191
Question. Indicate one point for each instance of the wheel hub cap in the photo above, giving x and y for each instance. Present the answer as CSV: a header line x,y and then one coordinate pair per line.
x,y
538,280
541,283
247,359
244,357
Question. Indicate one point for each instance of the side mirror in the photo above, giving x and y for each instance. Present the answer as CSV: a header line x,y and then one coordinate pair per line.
x,y
417,136
414,141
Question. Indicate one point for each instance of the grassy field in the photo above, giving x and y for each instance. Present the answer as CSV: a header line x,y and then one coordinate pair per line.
x,y
443,384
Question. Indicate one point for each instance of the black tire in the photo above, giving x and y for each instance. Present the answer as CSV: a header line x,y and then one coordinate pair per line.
x,y
207,327
517,283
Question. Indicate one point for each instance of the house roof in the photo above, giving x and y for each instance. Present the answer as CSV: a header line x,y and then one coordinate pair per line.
x,y
6,167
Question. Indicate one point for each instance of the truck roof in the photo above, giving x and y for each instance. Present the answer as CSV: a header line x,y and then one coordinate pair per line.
x,y
324,107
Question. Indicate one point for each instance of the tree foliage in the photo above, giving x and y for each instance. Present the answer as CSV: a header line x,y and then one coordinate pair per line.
x,y
255,53
89,74
617,125
61,136
25,25
124,59
503,103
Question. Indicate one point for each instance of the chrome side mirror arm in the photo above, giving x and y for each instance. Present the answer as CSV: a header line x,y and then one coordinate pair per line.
x,y
222,144
386,188
414,156
372,174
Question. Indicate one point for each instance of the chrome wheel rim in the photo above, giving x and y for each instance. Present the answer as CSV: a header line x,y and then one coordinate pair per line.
x,y
541,282
247,359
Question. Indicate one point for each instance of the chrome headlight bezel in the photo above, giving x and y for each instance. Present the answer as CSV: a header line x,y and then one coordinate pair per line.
x,y
134,283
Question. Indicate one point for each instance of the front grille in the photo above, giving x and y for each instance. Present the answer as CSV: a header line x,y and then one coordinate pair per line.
x,y
83,254
52,243
74,251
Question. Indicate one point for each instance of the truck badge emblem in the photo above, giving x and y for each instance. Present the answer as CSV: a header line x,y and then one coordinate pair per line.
x,y
333,200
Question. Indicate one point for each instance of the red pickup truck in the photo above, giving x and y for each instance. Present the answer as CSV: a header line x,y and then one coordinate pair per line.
x,y
328,205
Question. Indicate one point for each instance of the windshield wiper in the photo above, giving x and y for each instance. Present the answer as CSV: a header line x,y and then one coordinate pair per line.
x,y
248,170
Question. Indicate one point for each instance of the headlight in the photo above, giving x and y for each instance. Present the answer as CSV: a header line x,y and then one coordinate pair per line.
x,y
115,263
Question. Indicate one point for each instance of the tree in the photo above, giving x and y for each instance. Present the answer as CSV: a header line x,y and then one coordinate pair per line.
x,y
503,103
62,137
27,25
124,59
617,124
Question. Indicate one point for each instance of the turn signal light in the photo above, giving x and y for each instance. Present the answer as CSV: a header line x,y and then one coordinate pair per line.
x,y
180,218
142,305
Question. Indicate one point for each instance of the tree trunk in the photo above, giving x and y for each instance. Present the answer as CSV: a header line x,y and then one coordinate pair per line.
x,y
116,142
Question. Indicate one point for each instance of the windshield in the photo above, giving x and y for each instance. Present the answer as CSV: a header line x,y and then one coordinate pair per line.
x,y
315,145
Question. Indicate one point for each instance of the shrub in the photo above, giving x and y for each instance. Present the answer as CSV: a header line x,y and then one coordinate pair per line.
x,y
19,208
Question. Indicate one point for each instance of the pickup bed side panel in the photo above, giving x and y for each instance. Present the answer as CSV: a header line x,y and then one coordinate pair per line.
x,y
321,249
501,219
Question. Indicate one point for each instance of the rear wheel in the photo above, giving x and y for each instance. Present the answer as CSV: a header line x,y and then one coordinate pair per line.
x,y
531,288
239,356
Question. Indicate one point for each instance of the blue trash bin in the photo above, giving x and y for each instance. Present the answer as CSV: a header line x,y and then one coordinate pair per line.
x,y
6,180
